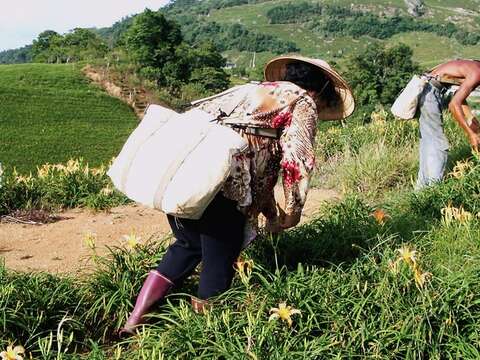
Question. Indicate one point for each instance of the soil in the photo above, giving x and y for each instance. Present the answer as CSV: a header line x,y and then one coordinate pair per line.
x,y
60,247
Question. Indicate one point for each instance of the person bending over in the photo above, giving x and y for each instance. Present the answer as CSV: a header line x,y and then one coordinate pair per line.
x,y
278,118
433,142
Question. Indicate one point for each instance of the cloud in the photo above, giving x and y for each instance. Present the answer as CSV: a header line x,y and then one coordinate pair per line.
x,y
22,20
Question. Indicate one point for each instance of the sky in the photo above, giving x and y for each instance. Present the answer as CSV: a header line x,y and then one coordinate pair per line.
x,y
22,20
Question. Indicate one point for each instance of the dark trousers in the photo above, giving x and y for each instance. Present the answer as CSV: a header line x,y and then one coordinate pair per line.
x,y
215,240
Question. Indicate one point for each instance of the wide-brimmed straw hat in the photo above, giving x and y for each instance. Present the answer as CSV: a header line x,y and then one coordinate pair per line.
x,y
275,70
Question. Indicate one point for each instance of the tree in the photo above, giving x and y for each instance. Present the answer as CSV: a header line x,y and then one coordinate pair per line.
x,y
152,39
379,74
46,48
156,44
83,44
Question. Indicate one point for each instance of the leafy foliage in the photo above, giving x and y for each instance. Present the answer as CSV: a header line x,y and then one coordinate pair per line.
x,y
79,44
293,13
379,74
156,44
334,19
235,37
460,189
16,56
58,187
355,23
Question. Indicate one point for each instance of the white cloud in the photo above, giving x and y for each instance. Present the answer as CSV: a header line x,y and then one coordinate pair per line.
x,y
22,20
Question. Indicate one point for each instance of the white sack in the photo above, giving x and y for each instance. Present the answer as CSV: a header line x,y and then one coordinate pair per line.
x,y
405,106
176,162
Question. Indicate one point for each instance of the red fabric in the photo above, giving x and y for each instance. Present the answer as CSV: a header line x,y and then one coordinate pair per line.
x,y
291,172
283,119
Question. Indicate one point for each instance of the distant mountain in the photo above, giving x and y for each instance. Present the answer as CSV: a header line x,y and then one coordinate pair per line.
x,y
249,32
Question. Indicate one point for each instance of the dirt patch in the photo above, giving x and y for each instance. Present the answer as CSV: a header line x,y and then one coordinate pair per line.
x,y
60,247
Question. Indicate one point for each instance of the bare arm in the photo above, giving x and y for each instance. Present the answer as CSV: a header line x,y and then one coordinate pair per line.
x,y
461,111
470,118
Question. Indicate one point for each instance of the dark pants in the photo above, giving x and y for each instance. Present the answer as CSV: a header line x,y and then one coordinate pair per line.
x,y
215,239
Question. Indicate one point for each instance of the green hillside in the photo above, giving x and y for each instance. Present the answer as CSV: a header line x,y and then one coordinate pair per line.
x,y
304,30
50,113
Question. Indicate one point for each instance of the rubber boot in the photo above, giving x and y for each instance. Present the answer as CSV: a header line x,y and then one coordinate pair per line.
x,y
155,287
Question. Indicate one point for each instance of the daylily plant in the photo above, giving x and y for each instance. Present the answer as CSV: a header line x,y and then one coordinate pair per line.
x,y
13,353
284,313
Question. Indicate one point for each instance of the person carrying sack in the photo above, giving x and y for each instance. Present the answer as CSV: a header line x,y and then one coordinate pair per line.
x,y
278,118
433,142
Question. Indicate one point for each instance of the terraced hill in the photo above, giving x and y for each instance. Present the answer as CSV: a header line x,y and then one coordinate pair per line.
x,y
51,113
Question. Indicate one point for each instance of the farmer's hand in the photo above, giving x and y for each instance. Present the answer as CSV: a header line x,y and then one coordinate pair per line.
x,y
287,220
474,140
272,225
475,126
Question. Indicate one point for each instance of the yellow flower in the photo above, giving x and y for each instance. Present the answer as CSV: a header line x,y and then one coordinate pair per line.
x,y
72,166
407,255
89,240
461,168
59,167
13,353
23,179
43,170
421,277
132,240
107,190
98,171
463,216
244,267
451,213
448,213
284,313
379,117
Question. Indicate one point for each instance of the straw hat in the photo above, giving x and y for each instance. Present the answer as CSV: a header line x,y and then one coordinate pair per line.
x,y
275,70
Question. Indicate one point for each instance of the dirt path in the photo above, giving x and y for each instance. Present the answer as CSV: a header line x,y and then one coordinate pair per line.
x,y
60,247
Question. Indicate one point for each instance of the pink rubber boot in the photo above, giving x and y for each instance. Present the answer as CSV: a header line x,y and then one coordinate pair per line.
x,y
155,287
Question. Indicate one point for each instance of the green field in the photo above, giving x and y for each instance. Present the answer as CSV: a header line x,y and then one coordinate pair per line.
x,y
50,113
402,285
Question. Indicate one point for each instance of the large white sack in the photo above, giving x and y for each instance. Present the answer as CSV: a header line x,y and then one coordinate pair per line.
x,y
203,173
155,117
405,106
180,166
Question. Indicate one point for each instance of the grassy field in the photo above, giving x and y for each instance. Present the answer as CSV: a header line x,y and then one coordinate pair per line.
x,y
50,113
383,273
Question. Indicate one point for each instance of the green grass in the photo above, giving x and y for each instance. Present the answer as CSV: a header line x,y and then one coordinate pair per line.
x,y
50,113
337,269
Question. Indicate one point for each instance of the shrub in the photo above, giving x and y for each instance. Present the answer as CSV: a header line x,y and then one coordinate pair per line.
x,y
57,187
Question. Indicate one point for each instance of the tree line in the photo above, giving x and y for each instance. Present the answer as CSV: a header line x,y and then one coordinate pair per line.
x,y
235,37
78,44
344,21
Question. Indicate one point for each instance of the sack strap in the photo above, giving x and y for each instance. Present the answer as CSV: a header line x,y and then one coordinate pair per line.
x,y
247,124
258,131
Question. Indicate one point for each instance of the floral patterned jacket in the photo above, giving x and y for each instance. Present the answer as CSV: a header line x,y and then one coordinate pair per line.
x,y
255,173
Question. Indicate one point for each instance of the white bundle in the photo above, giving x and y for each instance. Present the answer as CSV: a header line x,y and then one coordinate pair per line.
x,y
176,162
405,106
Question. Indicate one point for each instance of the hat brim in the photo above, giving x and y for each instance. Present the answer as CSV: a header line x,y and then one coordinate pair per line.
x,y
275,70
